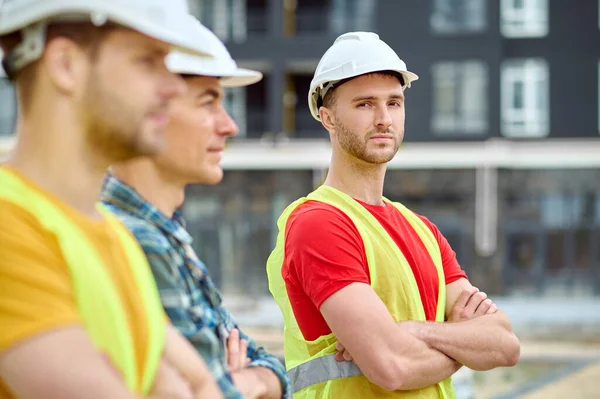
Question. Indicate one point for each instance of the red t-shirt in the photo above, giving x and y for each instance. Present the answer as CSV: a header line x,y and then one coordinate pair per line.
x,y
324,252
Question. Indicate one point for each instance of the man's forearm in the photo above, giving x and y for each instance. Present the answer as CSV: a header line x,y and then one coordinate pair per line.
x,y
259,380
268,367
481,343
427,366
271,381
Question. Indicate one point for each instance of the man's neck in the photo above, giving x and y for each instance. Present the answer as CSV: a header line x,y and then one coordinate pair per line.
x,y
57,159
144,177
356,178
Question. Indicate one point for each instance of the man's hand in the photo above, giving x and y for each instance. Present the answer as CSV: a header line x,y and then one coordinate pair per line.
x,y
237,352
170,384
342,353
471,303
186,361
252,382
249,384
480,343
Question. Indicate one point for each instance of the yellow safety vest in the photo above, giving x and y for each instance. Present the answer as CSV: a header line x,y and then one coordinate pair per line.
x,y
312,368
98,302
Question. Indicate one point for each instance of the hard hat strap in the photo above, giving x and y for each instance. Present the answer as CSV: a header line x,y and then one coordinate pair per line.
x,y
28,50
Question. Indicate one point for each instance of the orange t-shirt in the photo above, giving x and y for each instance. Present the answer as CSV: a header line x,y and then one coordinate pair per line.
x,y
36,293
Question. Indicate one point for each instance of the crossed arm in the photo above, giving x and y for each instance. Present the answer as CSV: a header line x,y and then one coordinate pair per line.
x,y
412,355
387,355
480,343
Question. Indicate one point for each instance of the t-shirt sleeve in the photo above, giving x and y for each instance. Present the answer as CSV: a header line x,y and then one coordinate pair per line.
x,y
35,290
325,252
452,269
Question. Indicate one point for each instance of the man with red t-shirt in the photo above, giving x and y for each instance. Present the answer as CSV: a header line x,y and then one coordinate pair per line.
x,y
313,271
364,284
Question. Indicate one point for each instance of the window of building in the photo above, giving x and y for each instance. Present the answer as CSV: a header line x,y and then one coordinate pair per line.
x,y
351,15
241,213
231,20
304,125
599,14
8,107
334,16
549,217
525,98
599,97
257,16
234,103
257,106
460,98
458,16
524,18
250,116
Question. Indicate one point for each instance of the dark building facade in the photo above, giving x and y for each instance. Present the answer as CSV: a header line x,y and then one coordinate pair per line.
x,y
502,144
502,68
502,133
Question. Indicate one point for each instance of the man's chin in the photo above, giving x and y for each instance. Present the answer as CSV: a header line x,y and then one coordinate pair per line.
x,y
209,176
381,158
153,142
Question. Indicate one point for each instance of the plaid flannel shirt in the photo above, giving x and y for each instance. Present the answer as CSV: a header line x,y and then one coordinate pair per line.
x,y
189,296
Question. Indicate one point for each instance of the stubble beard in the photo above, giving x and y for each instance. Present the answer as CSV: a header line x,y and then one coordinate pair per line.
x,y
113,125
356,146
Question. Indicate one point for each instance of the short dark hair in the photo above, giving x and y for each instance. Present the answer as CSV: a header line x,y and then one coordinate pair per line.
x,y
329,99
85,34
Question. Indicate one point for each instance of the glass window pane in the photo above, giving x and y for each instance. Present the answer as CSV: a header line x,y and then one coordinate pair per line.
x,y
256,109
556,208
522,251
351,15
474,94
525,98
524,18
541,93
460,97
458,16
584,251
555,252
597,210
229,19
518,94
234,103
233,224
446,99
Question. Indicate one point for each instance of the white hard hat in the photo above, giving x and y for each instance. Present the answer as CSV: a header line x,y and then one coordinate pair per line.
x,y
159,19
353,54
221,65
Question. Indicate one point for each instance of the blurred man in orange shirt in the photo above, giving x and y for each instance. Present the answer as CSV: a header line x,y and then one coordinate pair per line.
x,y
80,315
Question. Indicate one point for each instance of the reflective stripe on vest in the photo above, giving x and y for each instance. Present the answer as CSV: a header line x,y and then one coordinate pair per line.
x,y
319,370
96,296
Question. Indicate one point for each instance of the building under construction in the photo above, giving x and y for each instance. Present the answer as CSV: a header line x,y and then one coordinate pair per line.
x,y
502,144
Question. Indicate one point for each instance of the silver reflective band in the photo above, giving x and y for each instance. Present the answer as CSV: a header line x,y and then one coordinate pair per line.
x,y
319,370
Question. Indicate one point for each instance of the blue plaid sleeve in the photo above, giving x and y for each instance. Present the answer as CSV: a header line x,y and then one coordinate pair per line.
x,y
164,261
258,356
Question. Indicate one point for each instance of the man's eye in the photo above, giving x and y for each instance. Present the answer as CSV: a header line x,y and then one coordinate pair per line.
x,y
147,60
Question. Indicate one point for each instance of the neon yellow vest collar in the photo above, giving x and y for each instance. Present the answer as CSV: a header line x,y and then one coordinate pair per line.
x,y
96,296
311,367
